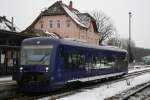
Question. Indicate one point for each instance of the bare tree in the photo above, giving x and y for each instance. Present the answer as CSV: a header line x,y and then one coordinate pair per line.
x,y
125,43
120,42
113,42
104,25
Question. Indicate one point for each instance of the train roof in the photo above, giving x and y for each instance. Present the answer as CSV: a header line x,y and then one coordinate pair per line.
x,y
71,43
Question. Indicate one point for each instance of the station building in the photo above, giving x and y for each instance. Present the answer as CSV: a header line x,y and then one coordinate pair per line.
x,y
66,22
10,41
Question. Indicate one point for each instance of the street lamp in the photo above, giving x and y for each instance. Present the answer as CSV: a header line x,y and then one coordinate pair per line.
x,y
129,49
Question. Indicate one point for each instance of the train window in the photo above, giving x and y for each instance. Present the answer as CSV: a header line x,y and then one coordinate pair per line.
x,y
110,62
126,57
61,51
66,59
71,60
74,60
33,55
82,60
120,59
102,62
96,61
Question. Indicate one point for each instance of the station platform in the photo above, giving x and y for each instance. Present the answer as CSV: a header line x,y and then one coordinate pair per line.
x,y
5,78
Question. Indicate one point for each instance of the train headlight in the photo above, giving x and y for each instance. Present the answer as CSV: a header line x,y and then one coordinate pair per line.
x,y
21,68
47,69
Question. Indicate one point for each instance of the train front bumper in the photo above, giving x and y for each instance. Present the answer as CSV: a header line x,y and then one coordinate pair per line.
x,y
35,86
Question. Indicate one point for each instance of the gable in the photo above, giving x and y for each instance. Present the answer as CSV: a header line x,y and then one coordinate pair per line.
x,y
55,9
82,19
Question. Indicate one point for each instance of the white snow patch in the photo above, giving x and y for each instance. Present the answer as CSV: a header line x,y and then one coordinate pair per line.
x,y
138,68
73,16
52,35
5,79
102,92
74,39
3,26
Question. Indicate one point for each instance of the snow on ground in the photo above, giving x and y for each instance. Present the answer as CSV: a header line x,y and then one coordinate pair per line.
x,y
138,68
5,78
102,92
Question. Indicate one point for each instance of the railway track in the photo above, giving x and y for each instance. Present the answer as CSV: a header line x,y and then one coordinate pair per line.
x,y
68,90
142,93
134,93
7,89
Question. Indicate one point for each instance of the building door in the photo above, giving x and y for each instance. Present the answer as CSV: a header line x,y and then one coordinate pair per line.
x,y
2,62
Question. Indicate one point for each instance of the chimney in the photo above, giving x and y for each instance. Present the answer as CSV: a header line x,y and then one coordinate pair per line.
x,y
60,1
70,5
4,17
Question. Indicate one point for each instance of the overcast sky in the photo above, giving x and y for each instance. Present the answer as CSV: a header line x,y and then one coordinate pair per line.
x,y
25,11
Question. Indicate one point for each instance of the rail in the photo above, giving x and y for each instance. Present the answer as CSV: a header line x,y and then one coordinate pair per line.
x,y
127,96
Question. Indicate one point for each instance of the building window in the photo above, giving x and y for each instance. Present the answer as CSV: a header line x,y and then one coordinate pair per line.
x,y
68,23
82,37
51,24
58,23
96,41
2,56
41,25
90,29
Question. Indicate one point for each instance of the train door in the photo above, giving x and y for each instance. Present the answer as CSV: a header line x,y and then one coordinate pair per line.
x,y
95,66
74,63
65,63
90,71
89,63
8,61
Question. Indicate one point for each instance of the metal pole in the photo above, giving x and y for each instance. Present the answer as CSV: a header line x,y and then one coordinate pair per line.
x,y
12,23
130,15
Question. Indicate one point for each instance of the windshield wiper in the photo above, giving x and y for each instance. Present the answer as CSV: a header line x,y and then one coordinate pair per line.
x,y
42,59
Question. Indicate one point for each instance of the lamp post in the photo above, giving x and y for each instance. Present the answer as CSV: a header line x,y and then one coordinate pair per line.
x,y
129,49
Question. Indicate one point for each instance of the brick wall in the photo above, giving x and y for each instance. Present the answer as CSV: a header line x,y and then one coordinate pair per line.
x,y
67,28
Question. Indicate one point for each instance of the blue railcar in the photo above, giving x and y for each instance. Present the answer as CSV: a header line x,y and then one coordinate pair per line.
x,y
48,64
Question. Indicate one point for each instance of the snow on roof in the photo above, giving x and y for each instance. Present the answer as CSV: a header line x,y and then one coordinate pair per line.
x,y
83,44
6,24
73,16
85,19
3,26
78,40
52,35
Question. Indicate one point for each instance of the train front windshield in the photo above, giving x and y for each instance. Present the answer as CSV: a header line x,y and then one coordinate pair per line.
x,y
36,55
